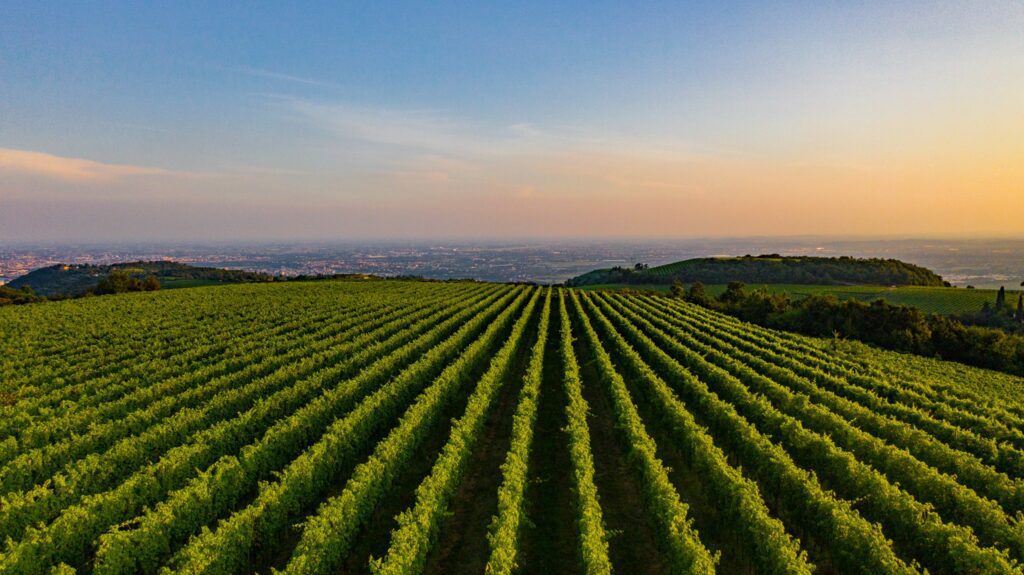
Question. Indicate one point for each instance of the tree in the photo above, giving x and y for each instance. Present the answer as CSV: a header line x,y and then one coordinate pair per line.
x,y
118,282
733,293
106,286
1001,298
678,290
1020,308
151,283
697,294
761,304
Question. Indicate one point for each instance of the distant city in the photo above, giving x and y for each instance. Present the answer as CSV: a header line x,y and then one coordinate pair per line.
x,y
981,263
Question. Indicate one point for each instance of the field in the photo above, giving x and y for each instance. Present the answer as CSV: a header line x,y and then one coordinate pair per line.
x,y
940,300
410,427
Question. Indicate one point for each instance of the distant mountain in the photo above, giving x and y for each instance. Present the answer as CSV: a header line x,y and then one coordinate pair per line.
x,y
769,269
73,280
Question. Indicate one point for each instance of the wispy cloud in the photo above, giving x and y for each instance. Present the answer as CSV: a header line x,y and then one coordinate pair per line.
x,y
247,170
433,133
271,75
422,152
71,169
423,132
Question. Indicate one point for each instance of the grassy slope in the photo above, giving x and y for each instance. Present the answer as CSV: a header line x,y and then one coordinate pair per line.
x,y
929,299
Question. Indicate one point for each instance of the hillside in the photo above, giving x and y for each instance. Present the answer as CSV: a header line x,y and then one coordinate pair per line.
x,y
770,269
75,279
458,427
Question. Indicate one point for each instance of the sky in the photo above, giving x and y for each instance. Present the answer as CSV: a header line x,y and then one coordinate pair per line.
x,y
356,120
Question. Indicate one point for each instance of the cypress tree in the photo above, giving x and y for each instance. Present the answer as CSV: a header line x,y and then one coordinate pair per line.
x,y
1001,298
1020,308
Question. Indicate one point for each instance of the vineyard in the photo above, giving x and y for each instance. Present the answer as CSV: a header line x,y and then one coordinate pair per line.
x,y
938,300
393,427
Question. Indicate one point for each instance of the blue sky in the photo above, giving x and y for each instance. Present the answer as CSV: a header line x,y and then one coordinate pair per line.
x,y
508,118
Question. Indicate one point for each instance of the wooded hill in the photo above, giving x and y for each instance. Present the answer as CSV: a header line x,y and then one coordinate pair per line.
x,y
769,269
76,279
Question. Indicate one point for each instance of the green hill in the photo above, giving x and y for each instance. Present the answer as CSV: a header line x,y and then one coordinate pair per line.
x,y
76,279
770,269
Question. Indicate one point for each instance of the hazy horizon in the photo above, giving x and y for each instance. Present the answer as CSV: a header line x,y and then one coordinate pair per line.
x,y
259,240
988,262
121,121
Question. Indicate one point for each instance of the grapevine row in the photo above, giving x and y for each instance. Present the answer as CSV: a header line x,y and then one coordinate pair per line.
x,y
687,553
916,528
227,548
507,523
328,535
737,498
